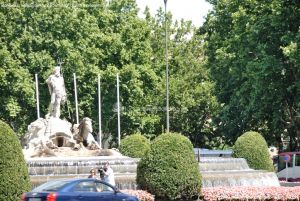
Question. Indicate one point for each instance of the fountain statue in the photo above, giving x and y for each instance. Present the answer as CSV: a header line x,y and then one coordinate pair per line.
x,y
57,91
53,136
83,134
57,149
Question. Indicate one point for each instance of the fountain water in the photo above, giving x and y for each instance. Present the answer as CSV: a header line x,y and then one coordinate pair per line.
x,y
44,169
216,171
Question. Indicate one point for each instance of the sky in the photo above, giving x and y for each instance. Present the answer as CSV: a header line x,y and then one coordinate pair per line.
x,y
193,10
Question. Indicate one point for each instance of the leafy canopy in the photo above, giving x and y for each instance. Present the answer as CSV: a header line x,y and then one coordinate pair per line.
x,y
251,48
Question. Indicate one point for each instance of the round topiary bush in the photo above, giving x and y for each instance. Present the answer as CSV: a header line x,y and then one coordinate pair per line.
x,y
13,169
253,147
169,170
134,146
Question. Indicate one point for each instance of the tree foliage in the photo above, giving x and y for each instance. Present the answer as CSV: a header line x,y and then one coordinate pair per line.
x,y
191,92
16,88
13,169
253,55
91,38
96,37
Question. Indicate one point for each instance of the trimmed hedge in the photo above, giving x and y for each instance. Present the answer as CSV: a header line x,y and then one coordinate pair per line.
x,y
253,147
135,146
13,169
170,170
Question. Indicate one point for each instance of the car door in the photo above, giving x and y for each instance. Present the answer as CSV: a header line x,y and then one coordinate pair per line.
x,y
104,192
84,190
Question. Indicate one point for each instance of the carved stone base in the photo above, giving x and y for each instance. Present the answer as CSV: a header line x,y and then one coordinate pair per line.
x,y
53,137
69,152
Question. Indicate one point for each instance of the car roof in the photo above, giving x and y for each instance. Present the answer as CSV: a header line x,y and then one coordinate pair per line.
x,y
72,180
64,180
78,179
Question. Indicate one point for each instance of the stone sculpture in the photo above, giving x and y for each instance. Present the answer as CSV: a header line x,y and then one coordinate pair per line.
x,y
35,133
46,136
83,134
57,91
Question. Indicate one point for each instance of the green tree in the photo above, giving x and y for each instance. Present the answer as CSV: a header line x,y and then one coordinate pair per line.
x,y
192,92
94,37
17,93
192,102
13,169
248,48
91,38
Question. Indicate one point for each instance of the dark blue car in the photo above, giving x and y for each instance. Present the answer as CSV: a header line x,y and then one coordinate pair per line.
x,y
76,190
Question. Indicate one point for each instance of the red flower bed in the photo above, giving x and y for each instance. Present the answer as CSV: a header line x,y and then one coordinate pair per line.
x,y
241,193
251,193
142,195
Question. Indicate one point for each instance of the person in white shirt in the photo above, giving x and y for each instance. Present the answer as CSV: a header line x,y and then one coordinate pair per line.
x,y
92,173
108,174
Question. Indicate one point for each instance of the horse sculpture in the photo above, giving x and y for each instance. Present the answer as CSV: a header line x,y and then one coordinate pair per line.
x,y
36,132
83,134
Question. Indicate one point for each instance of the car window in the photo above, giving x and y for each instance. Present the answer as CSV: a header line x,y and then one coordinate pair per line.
x,y
91,186
85,186
51,186
100,187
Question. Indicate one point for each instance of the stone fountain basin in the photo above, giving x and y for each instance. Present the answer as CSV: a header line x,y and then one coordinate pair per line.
x,y
239,178
215,171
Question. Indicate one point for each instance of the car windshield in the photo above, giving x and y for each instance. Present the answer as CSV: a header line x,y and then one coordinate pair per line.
x,y
51,186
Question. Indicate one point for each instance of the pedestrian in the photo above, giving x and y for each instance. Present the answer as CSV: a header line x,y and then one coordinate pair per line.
x,y
92,173
108,174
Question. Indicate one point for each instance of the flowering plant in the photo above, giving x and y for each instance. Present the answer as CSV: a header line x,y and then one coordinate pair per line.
x,y
251,193
140,194
241,193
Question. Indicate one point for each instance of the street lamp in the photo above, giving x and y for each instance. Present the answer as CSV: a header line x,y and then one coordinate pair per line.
x,y
167,70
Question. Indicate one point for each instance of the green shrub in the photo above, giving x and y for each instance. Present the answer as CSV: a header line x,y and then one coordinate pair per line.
x,y
169,170
135,146
253,147
13,169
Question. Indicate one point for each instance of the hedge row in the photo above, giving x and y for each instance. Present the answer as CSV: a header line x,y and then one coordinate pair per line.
x,y
13,169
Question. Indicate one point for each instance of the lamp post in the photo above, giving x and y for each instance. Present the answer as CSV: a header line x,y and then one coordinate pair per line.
x,y
167,70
